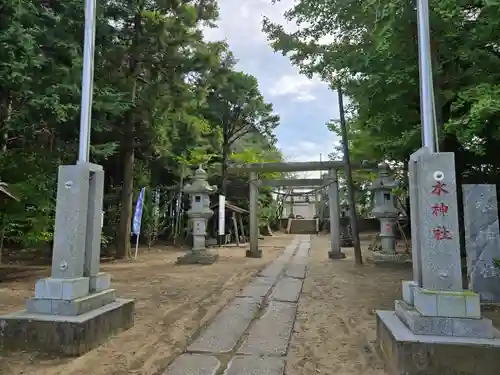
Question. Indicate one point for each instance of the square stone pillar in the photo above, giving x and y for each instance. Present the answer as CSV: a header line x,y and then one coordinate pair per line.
x,y
437,322
76,296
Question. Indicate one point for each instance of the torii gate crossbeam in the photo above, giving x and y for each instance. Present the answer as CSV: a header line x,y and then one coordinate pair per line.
x,y
300,166
313,182
254,168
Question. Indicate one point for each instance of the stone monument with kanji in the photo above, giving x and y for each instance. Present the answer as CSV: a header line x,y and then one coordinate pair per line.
x,y
437,327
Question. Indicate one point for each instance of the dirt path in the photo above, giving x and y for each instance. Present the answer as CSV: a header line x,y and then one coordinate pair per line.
x,y
172,303
335,328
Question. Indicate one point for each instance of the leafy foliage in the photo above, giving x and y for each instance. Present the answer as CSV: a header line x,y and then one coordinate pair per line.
x,y
160,90
370,48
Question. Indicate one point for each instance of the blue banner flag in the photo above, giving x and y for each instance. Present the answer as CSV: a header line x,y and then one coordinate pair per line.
x,y
136,223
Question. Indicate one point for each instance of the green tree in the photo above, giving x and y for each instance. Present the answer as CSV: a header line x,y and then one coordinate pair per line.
x,y
237,107
371,49
153,116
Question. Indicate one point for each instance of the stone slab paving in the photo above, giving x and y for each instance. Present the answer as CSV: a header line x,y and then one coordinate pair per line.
x,y
258,287
194,364
222,335
270,334
273,270
297,271
287,290
245,365
302,253
265,335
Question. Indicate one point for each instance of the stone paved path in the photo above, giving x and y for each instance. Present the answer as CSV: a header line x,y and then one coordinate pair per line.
x,y
252,334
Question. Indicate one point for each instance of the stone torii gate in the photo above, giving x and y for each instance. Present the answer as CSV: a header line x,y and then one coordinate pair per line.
x,y
331,182
316,184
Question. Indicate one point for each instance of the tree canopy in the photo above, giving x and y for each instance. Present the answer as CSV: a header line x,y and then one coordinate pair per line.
x,y
370,48
165,100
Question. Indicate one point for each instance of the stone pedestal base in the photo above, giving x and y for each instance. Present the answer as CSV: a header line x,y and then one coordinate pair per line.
x,y
253,254
65,335
410,354
73,307
443,326
379,258
336,255
198,257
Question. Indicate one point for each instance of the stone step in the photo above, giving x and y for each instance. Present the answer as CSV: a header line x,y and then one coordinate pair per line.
x,y
303,226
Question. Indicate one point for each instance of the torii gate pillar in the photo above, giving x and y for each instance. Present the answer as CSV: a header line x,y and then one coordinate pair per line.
x,y
334,207
254,251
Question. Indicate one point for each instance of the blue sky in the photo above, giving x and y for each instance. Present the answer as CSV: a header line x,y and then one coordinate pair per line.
x,y
304,105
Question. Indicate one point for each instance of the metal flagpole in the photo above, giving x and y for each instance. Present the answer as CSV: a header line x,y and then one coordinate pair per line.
x,y
425,68
87,81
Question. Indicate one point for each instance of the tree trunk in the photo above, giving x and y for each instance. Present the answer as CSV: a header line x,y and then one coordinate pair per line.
x,y
126,199
127,147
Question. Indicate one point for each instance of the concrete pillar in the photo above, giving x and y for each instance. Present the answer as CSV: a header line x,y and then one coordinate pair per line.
x,y
334,208
76,290
254,251
77,234
97,280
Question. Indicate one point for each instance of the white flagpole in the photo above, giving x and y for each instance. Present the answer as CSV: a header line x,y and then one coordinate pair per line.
x,y
136,246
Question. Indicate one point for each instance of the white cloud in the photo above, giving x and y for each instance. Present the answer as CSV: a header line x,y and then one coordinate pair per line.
x,y
297,86
308,150
243,18
303,104
305,97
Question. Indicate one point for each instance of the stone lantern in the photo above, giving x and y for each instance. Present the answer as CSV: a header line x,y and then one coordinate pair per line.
x,y
385,210
199,195
345,223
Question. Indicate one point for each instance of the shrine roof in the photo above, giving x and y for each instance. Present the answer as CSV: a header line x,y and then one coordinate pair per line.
x,y
233,208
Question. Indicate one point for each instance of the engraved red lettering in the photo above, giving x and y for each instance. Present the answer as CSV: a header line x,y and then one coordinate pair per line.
x,y
441,233
440,208
439,188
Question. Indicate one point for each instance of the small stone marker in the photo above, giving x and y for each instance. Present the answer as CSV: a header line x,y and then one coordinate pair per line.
x,y
482,240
